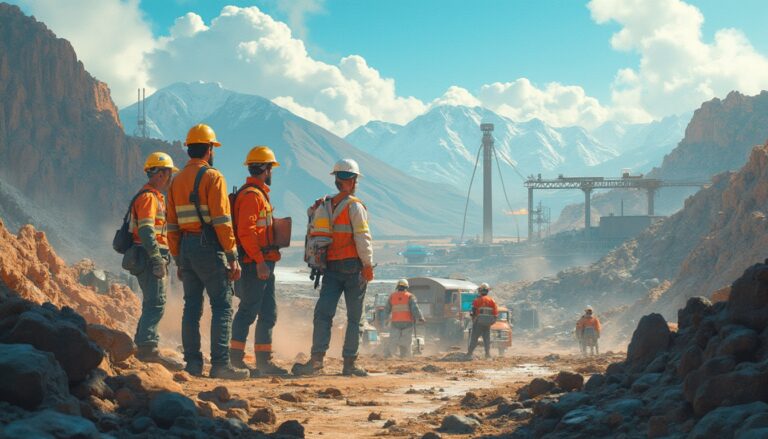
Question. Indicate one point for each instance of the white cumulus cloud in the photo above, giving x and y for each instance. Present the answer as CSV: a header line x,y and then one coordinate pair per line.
x,y
111,37
248,51
678,69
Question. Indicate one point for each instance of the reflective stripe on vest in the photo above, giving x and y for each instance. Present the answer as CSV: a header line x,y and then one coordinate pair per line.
x,y
486,310
401,309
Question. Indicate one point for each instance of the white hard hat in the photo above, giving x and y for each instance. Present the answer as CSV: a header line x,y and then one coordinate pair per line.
x,y
348,166
588,309
403,283
484,286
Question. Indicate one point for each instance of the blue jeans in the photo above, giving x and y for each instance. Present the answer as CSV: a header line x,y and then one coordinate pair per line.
x,y
256,300
353,286
204,267
152,306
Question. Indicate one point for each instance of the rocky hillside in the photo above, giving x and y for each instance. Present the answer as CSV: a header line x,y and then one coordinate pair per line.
x,y
707,379
698,250
60,135
30,267
718,138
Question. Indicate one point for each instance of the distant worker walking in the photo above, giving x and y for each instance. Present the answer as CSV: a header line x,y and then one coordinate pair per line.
x,y
148,259
349,269
403,312
202,244
252,212
588,331
484,312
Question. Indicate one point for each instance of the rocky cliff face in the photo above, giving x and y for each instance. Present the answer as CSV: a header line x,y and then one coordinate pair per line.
x,y
60,135
719,138
31,268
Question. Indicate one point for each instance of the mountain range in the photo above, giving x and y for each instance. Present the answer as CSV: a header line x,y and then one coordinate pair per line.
x,y
399,203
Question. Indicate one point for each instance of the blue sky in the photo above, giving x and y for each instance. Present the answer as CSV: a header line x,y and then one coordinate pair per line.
x,y
343,63
429,45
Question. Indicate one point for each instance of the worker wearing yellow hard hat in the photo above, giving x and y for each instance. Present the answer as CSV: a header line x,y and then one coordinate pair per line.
x,y
148,258
201,238
254,226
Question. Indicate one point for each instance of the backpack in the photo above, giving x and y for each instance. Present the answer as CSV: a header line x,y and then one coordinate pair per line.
x,y
316,247
123,239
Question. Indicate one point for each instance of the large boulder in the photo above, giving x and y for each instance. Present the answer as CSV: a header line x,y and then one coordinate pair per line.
x,y
694,312
741,386
724,421
117,344
458,424
169,406
651,337
569,381
31,378
58,333
748,303
51,424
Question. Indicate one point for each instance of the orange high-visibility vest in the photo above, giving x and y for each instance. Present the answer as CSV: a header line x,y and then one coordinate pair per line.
x,y
253,220
485,305
149,210
343,245
401,306
589,322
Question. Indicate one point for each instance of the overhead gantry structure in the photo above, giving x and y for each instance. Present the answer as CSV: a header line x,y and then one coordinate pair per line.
x,y
588,184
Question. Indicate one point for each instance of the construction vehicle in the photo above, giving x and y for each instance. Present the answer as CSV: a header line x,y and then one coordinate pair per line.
x,y
445,304
501,331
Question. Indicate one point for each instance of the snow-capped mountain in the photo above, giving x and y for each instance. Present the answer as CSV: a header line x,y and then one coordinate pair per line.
x,y
399,204
442,144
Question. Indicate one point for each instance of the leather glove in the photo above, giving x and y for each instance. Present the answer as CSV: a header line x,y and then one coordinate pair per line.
x,y
368,273
262,270
159,269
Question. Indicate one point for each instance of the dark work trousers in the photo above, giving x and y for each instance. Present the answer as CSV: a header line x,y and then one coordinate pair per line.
x,y
257,300
152,305
479,330
204,267
353,286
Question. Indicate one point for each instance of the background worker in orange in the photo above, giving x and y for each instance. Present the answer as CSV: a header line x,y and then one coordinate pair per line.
x,y
588,331
404,312
148,259
484,312
252,212
202,243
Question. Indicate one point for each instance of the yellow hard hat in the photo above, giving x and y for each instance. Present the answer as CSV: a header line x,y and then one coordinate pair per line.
x,y
159,160
403,283
201,133
261,154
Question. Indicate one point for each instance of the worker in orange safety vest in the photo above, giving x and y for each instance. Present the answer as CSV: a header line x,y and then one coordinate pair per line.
x,y
403,312
202,243
252,212
484,313
588,331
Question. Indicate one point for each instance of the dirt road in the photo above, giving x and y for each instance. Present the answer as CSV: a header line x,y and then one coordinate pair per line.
x,y
416,394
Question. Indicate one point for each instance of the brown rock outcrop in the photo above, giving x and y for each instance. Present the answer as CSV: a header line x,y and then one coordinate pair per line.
x,y
30,267
60,135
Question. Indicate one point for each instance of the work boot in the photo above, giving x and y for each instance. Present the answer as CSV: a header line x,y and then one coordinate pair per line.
x,y
150,354
194,368
228,372
236,358
266,366
351,369
311,367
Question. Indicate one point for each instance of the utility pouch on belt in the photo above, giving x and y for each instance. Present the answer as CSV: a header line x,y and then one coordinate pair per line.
x,y
208,232
135,260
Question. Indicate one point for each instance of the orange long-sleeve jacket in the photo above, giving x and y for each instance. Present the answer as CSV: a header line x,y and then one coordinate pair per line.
x,y
253,220
588,322
214,207
149,211
484,302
